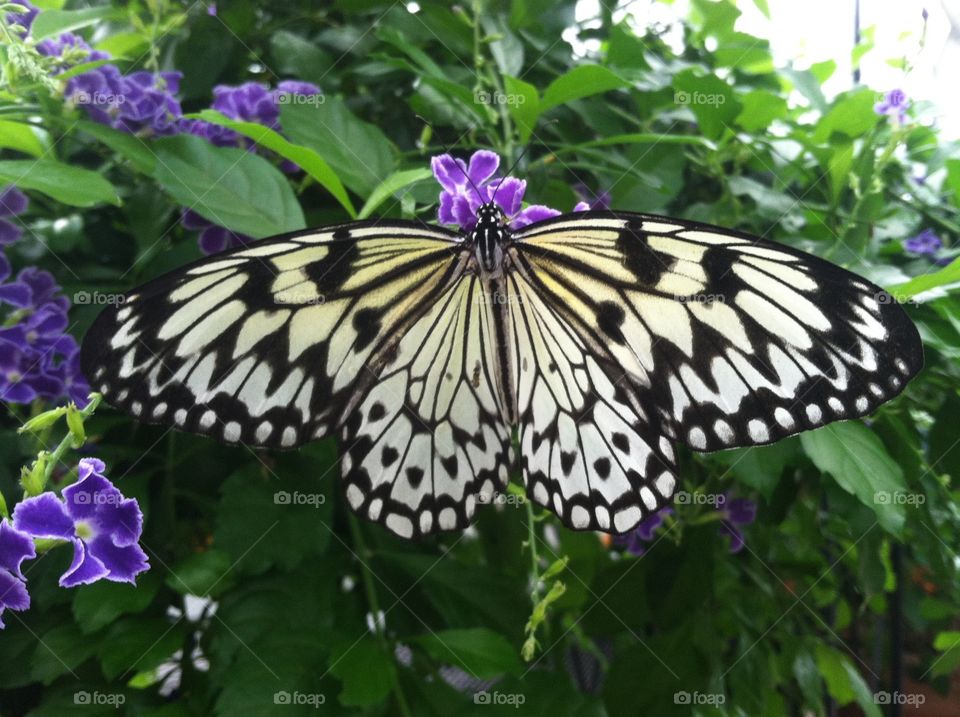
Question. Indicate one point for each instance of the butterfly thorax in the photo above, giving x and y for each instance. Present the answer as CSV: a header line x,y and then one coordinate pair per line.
x,y
488,238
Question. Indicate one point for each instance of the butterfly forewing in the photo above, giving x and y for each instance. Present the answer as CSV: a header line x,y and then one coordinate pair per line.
x,y
267,345
730,340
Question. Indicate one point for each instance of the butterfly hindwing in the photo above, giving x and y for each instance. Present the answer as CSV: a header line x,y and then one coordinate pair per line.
x,y
427,443
265,345
730,340
589,452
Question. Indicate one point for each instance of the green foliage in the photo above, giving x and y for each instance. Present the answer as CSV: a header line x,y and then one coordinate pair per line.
x,y
265,596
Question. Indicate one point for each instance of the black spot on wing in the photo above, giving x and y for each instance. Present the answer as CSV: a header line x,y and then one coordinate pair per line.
x,y
366,322
645,263
610,318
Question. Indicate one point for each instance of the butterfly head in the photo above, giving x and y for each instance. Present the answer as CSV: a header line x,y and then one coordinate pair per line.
x,y
489,236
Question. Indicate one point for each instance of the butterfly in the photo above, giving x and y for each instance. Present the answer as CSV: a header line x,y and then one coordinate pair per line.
x,y
596,342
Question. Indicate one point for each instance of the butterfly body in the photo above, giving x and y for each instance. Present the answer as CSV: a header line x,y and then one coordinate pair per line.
x,y
604,339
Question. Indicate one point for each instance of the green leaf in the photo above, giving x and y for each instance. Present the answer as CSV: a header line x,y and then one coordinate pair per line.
x,y
206,573
712,101
59,651
953,178
479,651
861,465
844,683
852,115
308,160
838,166
134,149
63,182
760,109
950,274
263,522
97,605
367,672
523,103
581,81
140,643
391,185
21,137
228,186
359,152
54,22
84,67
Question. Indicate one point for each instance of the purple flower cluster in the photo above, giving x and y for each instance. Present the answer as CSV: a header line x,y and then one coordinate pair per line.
x,y
103,526
38,359
13,203
927,244
22,19
732,512
894,105
141,103
249,102
69,49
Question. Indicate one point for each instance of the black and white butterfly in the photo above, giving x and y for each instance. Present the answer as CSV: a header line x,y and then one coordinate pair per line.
x,y
605,338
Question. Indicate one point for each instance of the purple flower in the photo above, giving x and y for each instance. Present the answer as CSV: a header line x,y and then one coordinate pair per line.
x,y
734,513
15,547
926,243
635,541
598,201
24,20
103,526
38,358
70,49
466,187
13,203
894,105
213,237
142,103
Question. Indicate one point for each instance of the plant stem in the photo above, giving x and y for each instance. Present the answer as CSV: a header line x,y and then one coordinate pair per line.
x,y
374,604
67,441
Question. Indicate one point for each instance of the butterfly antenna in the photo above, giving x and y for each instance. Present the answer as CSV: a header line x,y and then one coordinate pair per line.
x,y
446,149
510,171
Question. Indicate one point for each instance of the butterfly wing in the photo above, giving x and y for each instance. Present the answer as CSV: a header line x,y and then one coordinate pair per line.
x,y
269,345
589,451
428,442
729,340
